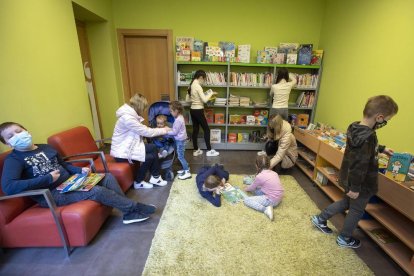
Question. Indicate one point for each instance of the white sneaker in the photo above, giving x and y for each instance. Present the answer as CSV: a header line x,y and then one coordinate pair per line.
x,y
185,175
269,212
197,152
180,172
158,181
212,153
142,185
261,153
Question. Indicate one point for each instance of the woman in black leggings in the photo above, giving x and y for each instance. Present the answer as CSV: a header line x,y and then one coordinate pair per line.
x,y
198,99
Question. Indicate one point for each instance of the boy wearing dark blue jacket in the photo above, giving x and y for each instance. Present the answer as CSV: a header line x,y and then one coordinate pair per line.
x,y
209,179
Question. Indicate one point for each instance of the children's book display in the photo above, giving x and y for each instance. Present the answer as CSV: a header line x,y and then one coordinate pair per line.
x,y
232,194
80,182
215,135
183,48
398,166
316,57
305,54
243,53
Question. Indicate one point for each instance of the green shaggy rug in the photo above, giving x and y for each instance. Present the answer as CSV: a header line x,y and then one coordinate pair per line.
x,y
196,238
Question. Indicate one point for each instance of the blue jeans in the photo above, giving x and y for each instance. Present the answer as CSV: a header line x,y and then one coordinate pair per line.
x,y
107,192
180,145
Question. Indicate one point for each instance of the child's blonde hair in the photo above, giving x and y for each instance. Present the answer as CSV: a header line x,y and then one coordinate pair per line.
x,y
161,118
274,126
262,163
212,181
138,102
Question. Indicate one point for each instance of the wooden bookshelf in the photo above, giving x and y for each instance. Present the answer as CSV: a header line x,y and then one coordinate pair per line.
x,y
304,155
395,213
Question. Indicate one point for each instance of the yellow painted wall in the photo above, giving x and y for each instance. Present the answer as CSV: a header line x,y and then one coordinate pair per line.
x,y
41,79
368,51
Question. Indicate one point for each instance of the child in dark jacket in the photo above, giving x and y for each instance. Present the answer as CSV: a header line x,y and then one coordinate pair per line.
x,y
359,169
209,180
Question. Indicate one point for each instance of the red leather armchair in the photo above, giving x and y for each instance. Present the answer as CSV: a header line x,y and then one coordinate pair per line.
x,y
78,141
24,224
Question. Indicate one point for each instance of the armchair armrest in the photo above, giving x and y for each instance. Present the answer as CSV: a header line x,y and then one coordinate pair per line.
x,y
99,153
52,207
83,160
101,142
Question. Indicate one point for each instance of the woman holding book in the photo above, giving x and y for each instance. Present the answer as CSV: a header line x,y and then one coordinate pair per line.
x,y
198,98
35,166
280,131
280,92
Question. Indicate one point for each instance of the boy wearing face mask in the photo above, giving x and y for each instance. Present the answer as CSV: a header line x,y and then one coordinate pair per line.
x,y
36,166
359,169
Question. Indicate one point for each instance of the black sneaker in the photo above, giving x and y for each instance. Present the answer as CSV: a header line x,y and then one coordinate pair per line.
x,y
348,242
135,216
321,225
147,209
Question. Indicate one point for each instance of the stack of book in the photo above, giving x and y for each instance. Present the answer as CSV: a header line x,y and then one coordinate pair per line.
x,y
244,101
220,102
234,100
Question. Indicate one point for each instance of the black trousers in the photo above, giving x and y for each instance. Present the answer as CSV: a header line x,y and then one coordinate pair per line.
x,y
198,118
151,163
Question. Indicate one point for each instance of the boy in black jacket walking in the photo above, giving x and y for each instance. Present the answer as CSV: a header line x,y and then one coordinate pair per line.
x,y
359,169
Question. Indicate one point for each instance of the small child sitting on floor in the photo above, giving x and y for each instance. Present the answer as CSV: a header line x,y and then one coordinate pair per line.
x,y
164,144
267,187
209,180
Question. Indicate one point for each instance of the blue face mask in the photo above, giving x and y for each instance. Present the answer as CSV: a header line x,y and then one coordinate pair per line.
x,y
21,141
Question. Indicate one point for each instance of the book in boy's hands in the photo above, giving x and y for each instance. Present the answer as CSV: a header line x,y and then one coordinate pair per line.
x,y
80,182
398,166
232,194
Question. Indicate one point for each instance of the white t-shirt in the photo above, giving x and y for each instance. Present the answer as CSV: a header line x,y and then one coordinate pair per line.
x,y
281,91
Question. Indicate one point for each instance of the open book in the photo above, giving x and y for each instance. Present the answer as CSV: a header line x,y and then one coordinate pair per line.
x,y
80,182
232,194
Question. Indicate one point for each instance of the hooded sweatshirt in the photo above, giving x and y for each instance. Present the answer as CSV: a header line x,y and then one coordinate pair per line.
x,y
359,169
127,139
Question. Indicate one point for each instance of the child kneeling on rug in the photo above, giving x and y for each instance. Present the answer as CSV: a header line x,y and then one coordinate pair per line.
x,y
267,187
209,180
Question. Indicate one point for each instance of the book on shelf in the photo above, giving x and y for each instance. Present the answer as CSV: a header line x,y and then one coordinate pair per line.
x,y
272,53
250,120
280,58
232,137
234,119
232,194
398,166
196,56
209,113
183,48
305,54
243,53
321,179
291,58
307,81
242,137
215,135
383,235
316,57
305,99
80,182
229,49
198,46
263,56
219,118
288,47
261,116
302,120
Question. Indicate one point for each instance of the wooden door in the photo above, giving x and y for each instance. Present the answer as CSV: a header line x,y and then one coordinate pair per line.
x,y
89,81
147,63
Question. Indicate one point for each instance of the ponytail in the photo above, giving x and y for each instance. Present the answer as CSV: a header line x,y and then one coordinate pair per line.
x,y
197,74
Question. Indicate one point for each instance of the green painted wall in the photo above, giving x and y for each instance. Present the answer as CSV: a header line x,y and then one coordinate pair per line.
x,y
368,51
41,79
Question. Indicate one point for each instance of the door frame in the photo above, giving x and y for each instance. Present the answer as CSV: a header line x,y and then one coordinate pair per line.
x,y
124,33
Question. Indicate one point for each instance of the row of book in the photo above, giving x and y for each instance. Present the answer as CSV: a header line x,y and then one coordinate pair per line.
x,y
307,80
306,99
216,136
251,79
190,49
259,117
212,78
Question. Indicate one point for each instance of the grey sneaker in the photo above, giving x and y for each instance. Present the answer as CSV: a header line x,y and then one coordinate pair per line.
x,y
146,209
135,216
348,242
321,225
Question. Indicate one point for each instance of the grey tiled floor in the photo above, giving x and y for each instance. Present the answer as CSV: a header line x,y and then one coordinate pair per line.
x,y
122,249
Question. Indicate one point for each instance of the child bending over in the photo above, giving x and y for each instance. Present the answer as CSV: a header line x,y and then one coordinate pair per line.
x,y
267,187
209,180
164,144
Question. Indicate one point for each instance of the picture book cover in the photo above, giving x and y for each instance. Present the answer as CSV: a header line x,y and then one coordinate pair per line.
x,y
215,135
263,56
243,53
219,118
184,43
279,58
196,56
80,182
198,45
232,138
305,54
291,58
272,52
232,194
316,57
209,113
229,48
398,166
242,137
